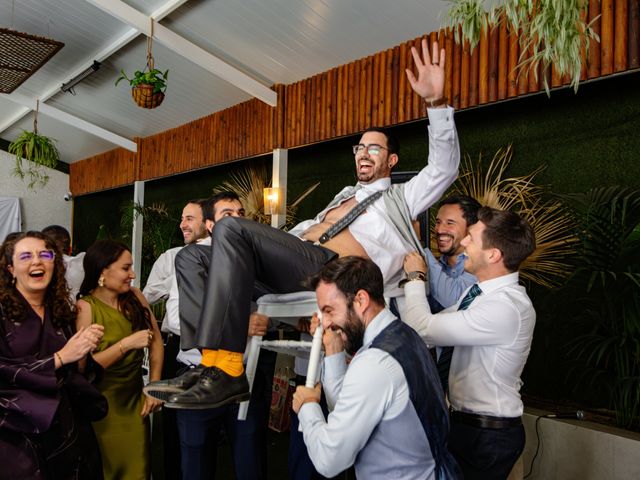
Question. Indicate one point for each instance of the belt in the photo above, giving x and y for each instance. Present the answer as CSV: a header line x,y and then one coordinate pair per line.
x,y
485,421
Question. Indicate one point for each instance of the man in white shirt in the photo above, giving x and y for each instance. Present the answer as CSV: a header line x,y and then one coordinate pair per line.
x,y
245,252
162,285
199,430
447,276
74,273
491,328
389,417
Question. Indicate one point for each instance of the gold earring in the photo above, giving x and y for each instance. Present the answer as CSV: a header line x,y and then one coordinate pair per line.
x,y
13,281
101,282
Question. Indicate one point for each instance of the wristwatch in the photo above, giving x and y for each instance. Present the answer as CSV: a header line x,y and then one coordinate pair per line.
x,y
413,276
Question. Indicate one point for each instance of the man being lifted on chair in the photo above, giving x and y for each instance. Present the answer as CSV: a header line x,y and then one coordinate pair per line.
x,y
246,252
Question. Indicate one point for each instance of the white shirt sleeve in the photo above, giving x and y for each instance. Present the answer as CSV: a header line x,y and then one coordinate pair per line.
x,y
431,182
367,391
159,282
335,368
490,320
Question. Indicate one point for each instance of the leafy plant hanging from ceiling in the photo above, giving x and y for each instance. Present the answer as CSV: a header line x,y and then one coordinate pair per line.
x,y
550,32
40,153
148,86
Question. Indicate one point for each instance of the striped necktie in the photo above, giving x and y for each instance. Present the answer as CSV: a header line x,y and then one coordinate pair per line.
x,y
444,361
351,215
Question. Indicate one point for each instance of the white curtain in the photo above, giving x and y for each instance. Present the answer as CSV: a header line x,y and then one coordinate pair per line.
x,y
10,218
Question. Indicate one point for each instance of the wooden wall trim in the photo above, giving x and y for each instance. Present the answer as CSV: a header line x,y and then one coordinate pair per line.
x,y
107,170
352,97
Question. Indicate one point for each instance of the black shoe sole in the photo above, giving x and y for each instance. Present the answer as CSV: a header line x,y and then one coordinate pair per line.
x,y
161,393
242,397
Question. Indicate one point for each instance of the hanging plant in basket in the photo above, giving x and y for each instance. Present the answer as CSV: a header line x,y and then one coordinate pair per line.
x,y
40,153
149,85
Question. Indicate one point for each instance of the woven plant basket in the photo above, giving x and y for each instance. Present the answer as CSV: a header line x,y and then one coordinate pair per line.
x,y
143,95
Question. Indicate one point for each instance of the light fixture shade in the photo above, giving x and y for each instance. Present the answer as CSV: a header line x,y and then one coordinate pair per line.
x,y
272,198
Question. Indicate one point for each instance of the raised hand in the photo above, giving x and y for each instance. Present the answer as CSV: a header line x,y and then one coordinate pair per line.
x,y
304,395
430,82
331,336
150,405
137,340
414,262
84,341
258,325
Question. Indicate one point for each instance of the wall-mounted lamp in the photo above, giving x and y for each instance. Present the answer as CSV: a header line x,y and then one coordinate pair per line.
x,y
68,87
272,198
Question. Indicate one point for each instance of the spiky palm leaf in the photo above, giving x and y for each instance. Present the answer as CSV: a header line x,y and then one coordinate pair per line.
x,y
552,224
249,184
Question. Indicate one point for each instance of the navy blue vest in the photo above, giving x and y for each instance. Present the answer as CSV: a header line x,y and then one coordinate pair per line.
x,y
407,348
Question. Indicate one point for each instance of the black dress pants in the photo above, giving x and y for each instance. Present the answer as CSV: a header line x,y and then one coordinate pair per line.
x,y
245,254
485,453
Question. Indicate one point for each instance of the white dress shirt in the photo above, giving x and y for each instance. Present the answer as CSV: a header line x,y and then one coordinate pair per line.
x,y
492,340
74,273
162,284
371,390
374,230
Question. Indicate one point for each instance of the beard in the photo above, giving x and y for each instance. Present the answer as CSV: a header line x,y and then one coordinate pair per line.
x,y
353,331
452,249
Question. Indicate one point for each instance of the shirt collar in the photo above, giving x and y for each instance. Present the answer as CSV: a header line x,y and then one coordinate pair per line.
x,y
460,260
204,241
379,323
502,281
369,188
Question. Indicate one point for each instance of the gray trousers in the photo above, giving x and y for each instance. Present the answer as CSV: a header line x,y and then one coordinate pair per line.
x,y
245,254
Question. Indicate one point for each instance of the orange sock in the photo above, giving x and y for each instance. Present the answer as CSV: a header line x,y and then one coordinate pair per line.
x,y
209,357
230,362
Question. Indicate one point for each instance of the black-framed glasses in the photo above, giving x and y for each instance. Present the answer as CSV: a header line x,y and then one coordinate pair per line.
x,y
43,255
371,149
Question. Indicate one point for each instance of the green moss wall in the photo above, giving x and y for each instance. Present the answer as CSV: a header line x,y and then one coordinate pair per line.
x,y
586,139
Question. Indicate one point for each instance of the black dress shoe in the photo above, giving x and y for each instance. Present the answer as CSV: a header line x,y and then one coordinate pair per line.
x,y
163,389
214,389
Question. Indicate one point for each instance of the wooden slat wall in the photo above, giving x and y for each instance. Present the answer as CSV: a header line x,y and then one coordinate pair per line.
x,y
107,170
243,130
352,97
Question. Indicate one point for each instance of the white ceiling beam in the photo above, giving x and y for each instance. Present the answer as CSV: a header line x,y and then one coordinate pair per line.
x,y
53,112
188,50
100,56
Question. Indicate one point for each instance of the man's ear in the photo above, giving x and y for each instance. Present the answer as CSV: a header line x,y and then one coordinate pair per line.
x,y
392,160
495,255
208,224
361,301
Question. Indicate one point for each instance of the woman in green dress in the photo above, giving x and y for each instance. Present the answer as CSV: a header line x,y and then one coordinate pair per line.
x,y
108,299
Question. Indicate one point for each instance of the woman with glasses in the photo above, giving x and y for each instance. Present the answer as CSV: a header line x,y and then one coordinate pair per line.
x,y
108,299
46,405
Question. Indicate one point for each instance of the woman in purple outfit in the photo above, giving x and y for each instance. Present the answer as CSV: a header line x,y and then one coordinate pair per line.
x,y
46,404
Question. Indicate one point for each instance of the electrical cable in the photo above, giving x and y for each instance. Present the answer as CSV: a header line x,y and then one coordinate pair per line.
x,y
537,447
578,415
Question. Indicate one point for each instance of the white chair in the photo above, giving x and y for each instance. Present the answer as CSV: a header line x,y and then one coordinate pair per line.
x,y
286,308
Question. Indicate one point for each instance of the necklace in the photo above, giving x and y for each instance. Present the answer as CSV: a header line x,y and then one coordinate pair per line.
x,y
36,305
